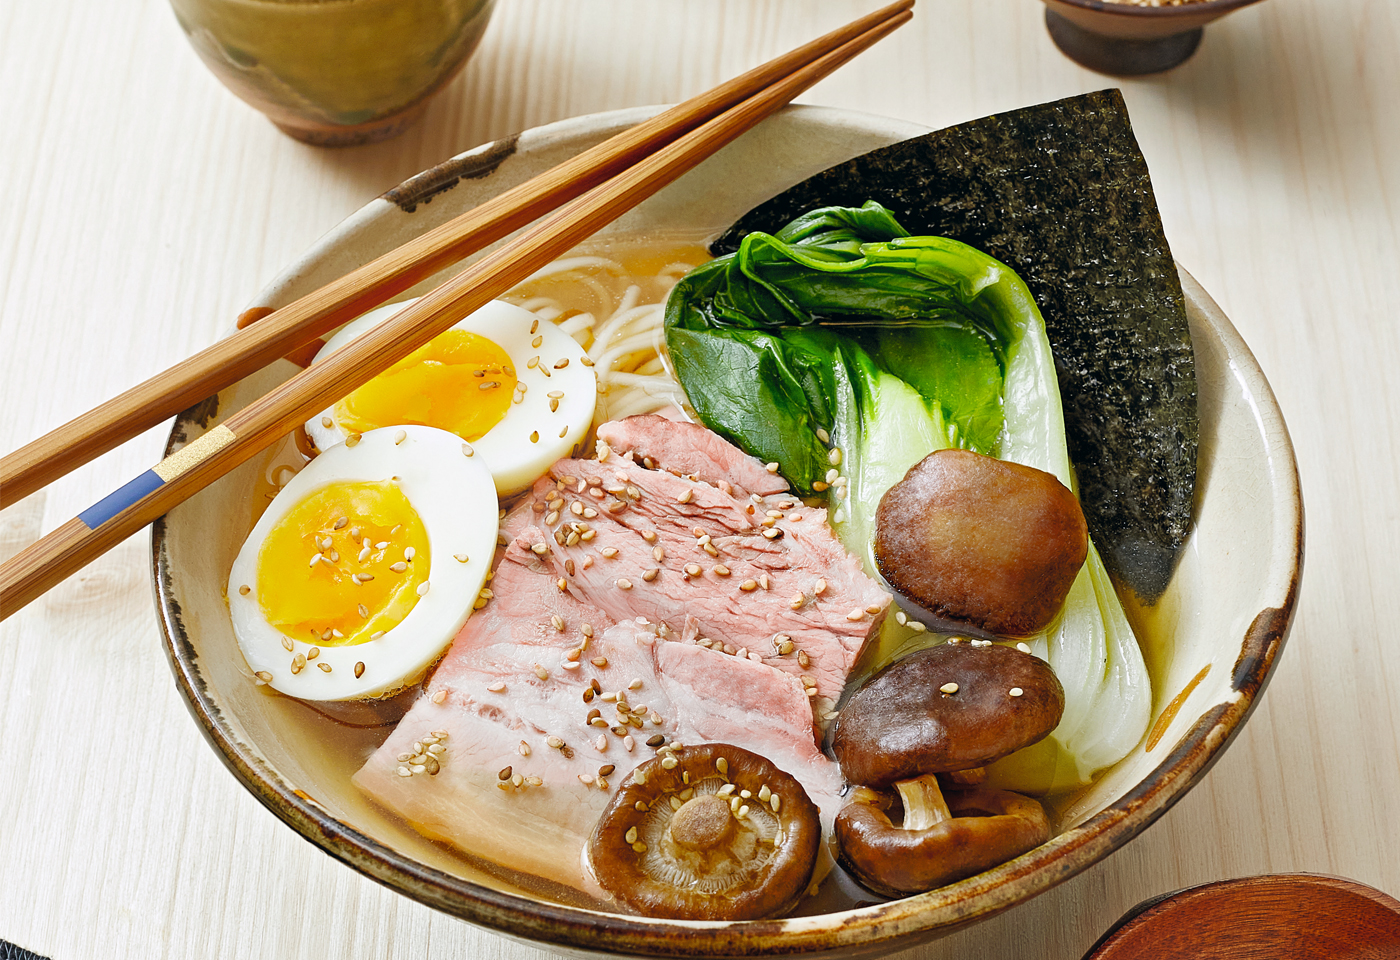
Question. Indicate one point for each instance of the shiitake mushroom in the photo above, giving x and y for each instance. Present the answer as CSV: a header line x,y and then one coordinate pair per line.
x,y
981,543
709,832
950,708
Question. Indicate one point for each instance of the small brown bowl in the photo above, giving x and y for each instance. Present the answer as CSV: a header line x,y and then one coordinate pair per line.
x,y
1304,916
1124,39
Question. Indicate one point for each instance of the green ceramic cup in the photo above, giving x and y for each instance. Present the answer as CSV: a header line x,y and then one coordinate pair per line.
x,y
335,72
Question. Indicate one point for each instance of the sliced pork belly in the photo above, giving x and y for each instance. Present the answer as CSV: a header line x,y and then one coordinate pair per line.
x,y
526,749
766,579
689,449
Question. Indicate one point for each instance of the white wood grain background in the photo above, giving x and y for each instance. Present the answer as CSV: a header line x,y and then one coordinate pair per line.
x,y
141,206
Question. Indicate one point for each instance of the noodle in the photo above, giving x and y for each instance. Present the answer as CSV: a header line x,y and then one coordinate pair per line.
x,y
614,306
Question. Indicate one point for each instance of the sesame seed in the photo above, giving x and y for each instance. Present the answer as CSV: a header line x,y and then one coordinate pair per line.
x,y
518,780
601,744
352,440
771,467
561,364
537,341
651,574
398,567
658,553
624,584
855,615
244,590
400,436
287,644
820,485
504,774
534,436
1016,691
325,667
541,672
720,570
798,601
497,687
949,688
803,660
422,589
834,458
772,534
819,588
264,676
298,663
609,552
405,772
586,361
600,663
916,626
684,496
586,779
533,781
554,742
1023,647
376,634
562,584
631,835
467,449
785,647
558,622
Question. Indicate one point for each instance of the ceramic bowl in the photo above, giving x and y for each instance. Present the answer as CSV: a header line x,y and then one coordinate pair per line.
x,y
1123,39
1215,634
335,74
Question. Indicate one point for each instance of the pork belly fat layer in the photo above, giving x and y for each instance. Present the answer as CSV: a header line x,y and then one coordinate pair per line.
x,y
542,827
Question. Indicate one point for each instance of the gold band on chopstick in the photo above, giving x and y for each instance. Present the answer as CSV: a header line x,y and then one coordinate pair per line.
x,y
193,454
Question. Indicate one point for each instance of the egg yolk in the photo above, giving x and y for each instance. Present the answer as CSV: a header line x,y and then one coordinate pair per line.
x,y
459,381
344,564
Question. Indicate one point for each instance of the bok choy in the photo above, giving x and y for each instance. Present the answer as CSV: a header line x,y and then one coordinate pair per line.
x,y
843,344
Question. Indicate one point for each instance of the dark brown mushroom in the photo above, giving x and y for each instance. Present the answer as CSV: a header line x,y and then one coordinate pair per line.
x,y
710,832
985,827
981,543
955,707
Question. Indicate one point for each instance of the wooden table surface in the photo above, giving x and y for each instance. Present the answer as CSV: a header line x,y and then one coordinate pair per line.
x,y
143,206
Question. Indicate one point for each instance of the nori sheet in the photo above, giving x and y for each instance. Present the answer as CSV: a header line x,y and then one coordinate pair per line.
x,y
1060,193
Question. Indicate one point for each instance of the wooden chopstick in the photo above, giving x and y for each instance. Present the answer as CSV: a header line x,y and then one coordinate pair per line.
x,y
38,567
44,460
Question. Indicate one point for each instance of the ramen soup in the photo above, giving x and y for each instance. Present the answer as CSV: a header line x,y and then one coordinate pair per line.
x,y
609,298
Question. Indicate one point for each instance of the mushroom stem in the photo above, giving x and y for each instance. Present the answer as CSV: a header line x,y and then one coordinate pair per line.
x,y
923,802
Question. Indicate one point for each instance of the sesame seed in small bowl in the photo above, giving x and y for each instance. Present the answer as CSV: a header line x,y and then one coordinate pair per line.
x,y
1127,38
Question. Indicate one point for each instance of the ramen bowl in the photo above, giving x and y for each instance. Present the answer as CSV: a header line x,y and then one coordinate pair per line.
x,y
1211,640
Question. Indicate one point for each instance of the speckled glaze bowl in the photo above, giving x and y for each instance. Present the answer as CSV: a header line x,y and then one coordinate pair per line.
x,y
1124,39
1216,633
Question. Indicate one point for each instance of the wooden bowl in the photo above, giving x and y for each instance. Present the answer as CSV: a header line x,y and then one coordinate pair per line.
x,y
1302,916
1217,630
1124,39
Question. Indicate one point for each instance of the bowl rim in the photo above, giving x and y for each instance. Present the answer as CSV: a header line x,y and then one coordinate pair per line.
x,y
1190,8
870,929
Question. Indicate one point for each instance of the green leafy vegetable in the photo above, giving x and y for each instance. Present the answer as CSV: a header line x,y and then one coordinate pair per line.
x,y
894,346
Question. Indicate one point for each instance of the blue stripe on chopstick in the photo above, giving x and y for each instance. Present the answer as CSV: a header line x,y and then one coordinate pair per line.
x,y
123,497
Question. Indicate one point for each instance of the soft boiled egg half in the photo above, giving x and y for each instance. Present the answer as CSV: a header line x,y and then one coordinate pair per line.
x,y
518,389
365,565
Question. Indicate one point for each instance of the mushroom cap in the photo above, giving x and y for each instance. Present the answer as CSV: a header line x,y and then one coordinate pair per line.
x,y
700,850
989,827
902,723
988,543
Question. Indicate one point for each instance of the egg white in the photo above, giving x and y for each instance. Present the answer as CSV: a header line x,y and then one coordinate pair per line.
x,y
455,498
516,460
